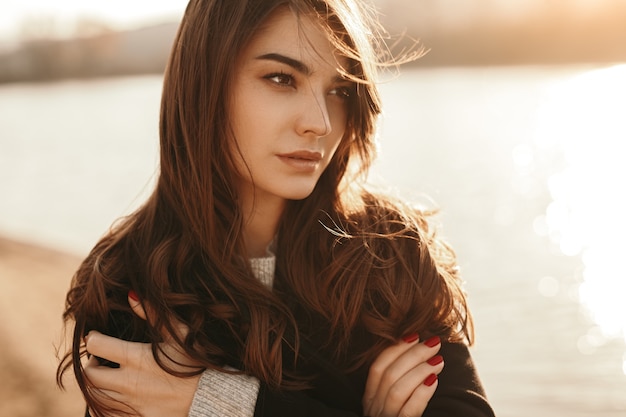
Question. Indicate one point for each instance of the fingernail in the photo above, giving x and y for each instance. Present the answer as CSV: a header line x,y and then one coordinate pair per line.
x,y
133,295
433,341
435,360
430,380
411,338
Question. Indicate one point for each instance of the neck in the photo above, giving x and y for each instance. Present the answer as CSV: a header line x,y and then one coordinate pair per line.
x,y
261,218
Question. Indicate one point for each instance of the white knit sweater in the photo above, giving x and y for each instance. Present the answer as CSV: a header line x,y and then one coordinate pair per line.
x,y
224,395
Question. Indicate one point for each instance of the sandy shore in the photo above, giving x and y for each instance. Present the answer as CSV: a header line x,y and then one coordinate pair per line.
x,y
33,282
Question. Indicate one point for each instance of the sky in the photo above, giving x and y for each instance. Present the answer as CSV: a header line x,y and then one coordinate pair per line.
x,y
123,14
118,14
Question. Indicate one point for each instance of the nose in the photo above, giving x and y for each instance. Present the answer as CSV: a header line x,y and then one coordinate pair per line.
x,y
314,118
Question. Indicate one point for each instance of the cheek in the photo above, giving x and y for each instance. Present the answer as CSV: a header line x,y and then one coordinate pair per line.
x,y
245,128
240,145
336,147
246,108
339,117
339,123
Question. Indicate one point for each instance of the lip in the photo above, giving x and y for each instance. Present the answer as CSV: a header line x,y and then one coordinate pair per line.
x,y
303,160
304,155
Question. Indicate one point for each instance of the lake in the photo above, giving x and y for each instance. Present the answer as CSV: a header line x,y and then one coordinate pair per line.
x,y
525,163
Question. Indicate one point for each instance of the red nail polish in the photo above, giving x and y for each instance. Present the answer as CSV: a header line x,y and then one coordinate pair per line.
x,y
430,380
133,295
435,360
433,341
411,338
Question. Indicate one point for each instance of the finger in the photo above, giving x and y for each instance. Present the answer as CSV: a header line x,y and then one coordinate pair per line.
x,y
405,360
135,304
411,390
418,401
390,354
382,362
102,377
113,349
410,361
93,361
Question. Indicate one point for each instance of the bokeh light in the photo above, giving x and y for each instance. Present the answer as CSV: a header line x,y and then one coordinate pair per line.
x,y
584,121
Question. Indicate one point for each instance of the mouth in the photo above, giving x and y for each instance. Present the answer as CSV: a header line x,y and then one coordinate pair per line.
x,y
303,161
309,156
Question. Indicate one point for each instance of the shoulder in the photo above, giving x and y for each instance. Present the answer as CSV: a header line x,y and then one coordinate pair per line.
x,y
385,216
395,235
378,233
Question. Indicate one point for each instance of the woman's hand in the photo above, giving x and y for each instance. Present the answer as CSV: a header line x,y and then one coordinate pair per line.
x,y
403,379
139,387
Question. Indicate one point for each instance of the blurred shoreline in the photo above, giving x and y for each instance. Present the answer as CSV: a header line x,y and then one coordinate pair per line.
x,y
33,282
468,137
552,35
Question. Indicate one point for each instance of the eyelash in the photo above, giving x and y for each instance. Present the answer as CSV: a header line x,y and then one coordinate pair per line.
x,y
278,78
283,79
343,92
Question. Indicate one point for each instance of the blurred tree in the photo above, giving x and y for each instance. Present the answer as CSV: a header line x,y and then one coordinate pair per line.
x,y
37,28
86,26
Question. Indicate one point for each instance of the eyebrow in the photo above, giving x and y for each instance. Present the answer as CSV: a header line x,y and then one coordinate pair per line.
x,y
299,66
293,63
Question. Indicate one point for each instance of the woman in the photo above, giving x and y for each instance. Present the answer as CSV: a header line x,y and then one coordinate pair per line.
x,y
274,283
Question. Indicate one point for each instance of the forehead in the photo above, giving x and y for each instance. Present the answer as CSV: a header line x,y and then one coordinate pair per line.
x,y
299,36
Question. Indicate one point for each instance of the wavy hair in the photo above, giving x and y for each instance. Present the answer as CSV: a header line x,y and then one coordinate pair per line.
x,y
364,264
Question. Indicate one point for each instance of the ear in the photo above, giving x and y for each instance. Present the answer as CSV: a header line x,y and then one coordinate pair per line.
x,y
135,304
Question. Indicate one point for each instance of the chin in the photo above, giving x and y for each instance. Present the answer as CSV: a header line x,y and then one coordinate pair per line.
x,y
294,190
300,194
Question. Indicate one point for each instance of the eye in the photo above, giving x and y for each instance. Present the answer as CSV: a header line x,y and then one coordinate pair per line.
x,y
281,79
343,92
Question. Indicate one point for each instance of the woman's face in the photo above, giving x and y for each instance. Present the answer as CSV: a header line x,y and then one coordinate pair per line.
x,y
289,108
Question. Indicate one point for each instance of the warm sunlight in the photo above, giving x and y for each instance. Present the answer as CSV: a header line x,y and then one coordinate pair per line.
x,y
116,13
583,125
114,10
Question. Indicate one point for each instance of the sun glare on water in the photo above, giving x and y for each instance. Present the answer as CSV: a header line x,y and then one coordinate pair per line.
x,y
584,123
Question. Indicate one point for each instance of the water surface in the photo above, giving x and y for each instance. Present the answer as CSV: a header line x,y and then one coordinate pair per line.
x,y
526,165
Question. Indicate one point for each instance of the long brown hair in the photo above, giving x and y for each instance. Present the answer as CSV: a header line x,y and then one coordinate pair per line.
x,y
358,261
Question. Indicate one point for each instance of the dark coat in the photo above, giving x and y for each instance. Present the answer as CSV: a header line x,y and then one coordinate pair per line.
x,y
459,392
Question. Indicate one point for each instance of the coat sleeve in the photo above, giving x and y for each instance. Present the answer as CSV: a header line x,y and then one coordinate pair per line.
x,y
460,392
225,395
294,403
